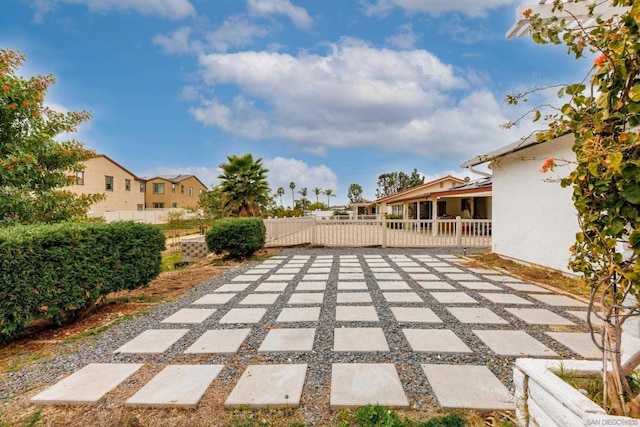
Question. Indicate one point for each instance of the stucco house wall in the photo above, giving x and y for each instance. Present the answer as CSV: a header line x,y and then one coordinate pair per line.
x,y
178,192
93,180
534,220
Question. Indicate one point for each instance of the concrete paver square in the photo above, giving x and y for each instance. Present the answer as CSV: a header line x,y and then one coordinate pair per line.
x,y
415,315
190,315
259,299
579,342
177,386
482,271
435,341
510,299
214,299
289,270
448,270
259,271
282,340
539,316
352,313
312,286
469,387
559,301
353,297
393,286
406,297
461,276
271,287
453,298
476,315
582,315
319,270
314,277
352,286
387,276
299,314
232,287
350,269
415,270
526,287
383,270
513,343
480,286
436,285
247,278
306,298
350,276
225,341
243,315
502,278
153,341
280,277
87,385
269,386
359,339
420,276
359,384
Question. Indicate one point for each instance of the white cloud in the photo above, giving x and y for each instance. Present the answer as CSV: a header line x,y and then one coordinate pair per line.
x,y
284,170
470,8
236,31
179,41
354,96
404,38
172,9
298,15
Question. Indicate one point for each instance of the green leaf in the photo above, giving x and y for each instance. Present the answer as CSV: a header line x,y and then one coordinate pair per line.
x,y
634,239
631,192
634,93
537,115
614,160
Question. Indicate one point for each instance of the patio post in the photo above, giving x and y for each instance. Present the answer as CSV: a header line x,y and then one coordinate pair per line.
x,y
458,231
384,231
313,230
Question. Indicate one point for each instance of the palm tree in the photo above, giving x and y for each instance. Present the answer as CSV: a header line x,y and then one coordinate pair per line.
x,y
317,191
303,193
280,193
292,186
329,194
243,183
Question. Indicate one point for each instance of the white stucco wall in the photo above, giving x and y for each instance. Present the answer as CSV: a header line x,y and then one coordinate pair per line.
x,y
534,220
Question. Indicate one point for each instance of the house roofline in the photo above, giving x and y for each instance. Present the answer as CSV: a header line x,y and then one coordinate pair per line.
x,y
509,149
178,180
426,184
136,177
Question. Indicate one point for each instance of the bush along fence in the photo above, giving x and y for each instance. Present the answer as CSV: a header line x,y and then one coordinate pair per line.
x,y
55,272
239,237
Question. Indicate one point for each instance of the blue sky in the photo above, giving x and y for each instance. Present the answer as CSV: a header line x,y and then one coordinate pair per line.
x,y
327,92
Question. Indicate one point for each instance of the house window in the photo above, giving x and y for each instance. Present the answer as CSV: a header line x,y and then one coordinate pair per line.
x,y
190,191
140,207
80,178
442,185
158,188
442,208
396,209
173,188
174,204
158,205
108,183
143,187
127,185
200,191
182,189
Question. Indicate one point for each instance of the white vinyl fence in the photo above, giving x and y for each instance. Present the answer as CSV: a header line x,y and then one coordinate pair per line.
x,y
378,232
149,216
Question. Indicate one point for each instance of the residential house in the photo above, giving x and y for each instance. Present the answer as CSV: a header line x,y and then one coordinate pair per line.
x,y
123,190
182,191
424,201
534,219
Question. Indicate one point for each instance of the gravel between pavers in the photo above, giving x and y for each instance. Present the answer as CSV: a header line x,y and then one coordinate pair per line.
x,y
316,389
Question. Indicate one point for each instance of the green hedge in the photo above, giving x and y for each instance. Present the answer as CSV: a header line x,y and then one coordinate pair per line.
x,y
52,272
239,237
394,225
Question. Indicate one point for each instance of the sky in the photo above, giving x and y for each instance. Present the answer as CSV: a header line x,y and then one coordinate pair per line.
x,y
327,92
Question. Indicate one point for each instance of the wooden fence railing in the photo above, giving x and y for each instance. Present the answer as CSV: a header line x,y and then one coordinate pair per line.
x,y
378,232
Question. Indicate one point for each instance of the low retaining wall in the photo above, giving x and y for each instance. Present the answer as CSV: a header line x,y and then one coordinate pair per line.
x,y
193,249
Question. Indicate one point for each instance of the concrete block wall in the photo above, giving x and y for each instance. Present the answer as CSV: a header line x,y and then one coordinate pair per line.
x,y
193,249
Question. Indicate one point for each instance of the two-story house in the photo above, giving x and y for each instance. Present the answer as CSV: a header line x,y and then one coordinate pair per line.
x,y
182,191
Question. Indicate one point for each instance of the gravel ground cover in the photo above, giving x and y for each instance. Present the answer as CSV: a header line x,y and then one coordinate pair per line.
x,y
315,395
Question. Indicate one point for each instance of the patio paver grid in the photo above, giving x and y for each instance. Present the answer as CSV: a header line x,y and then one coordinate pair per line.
x,y
396,320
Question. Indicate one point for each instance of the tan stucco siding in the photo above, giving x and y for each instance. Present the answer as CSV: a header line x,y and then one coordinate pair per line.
x,y
184,194
118,198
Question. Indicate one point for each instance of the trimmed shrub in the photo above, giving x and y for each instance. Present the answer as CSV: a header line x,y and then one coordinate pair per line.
x,y
239,237
53,272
